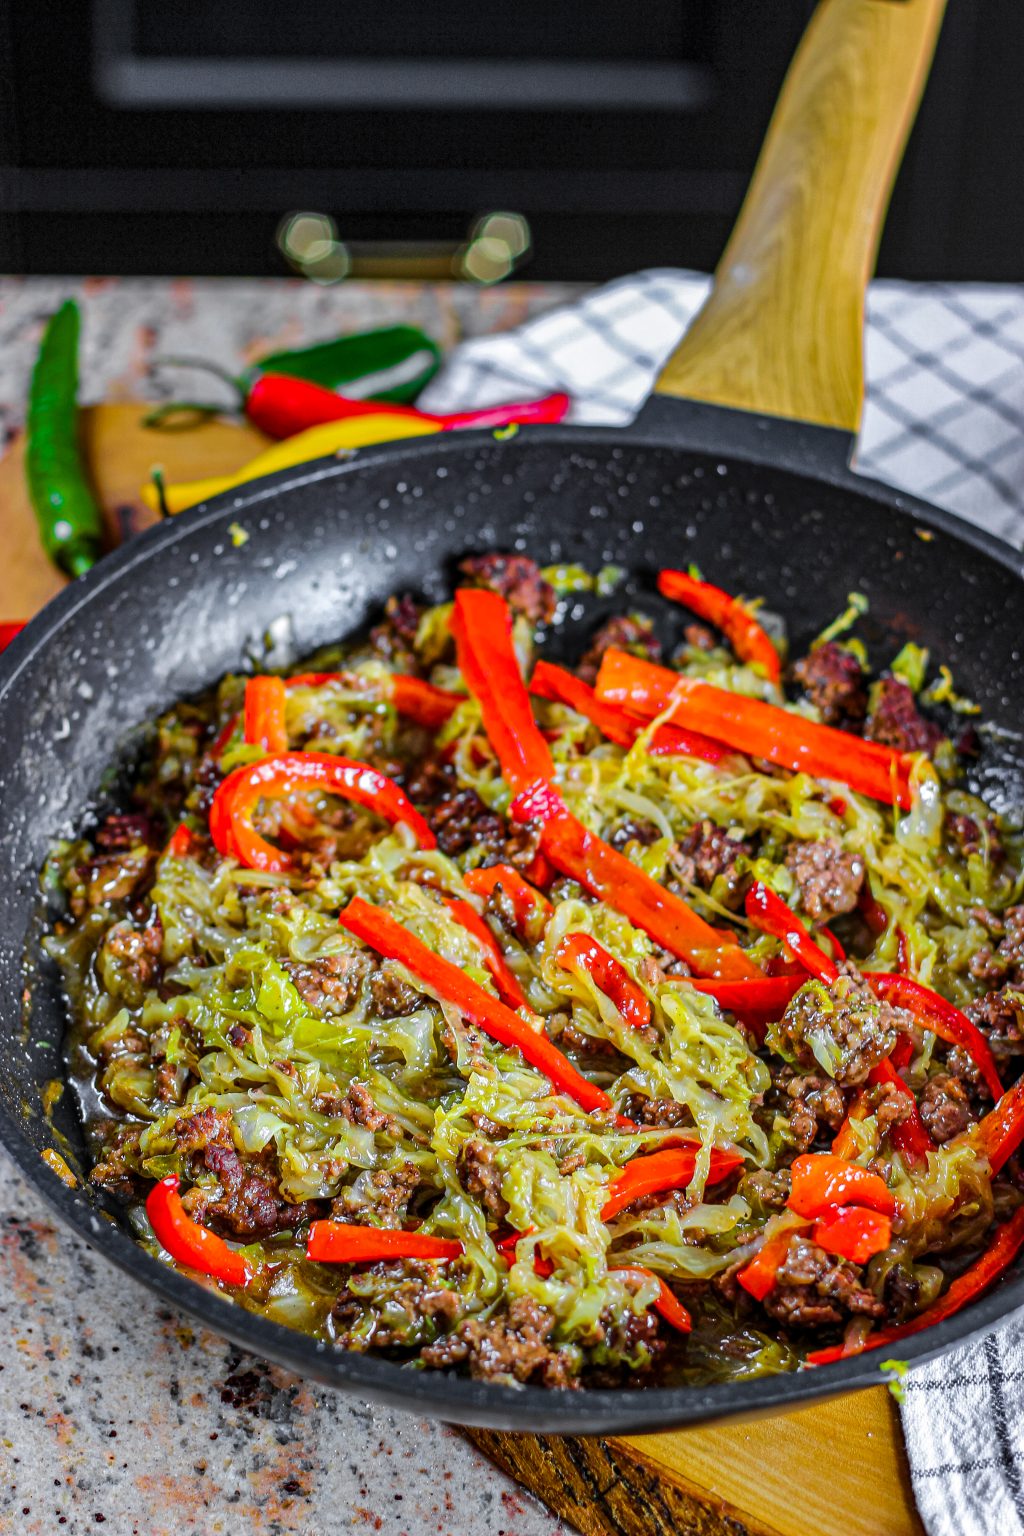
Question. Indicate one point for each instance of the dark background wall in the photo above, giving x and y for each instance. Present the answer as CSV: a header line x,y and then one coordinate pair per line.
x,y
156,138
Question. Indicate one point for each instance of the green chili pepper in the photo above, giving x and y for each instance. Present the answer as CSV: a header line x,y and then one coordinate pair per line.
x,y
391,364
70,522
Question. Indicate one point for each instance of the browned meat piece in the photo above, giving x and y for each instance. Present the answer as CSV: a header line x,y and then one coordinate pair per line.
x,y
134,952
700,637
239,1036
631,1340
945,1107
970,838
573,1039
851,1030
170,1083
116,1168
813,1289
665,1113
901,1293
128,830
813,1105
249,1204
889,1105
201,1129
829,878
391,996
331,984
896,721
517,579
420,1304
393,1189
834,682
509,1346
109,877
765,1190
462,821
1000,1017
394,639
625,632
709,853
359,1109
481,1177
429,780
631,831
1011,947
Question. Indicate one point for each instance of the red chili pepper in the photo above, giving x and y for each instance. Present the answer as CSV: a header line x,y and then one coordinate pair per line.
x,y
344,1242
274,777
1000,1133
502,975
758,729
189,1243
282,405
821,1181
482,626
610,975
264,714
666,1303
179,844
728,614
853,1233
381,933
771,914
838,952
758,1277
755,1003
412,697
530,908
658,1171
941,1017
1009,1240
562,687
8,632
613,878
908,1136
507,1248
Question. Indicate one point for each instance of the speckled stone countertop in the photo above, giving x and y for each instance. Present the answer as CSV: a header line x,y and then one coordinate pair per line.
x,y
115,1414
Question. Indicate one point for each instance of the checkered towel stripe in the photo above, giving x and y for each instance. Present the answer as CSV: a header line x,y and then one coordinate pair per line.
x,y
944,418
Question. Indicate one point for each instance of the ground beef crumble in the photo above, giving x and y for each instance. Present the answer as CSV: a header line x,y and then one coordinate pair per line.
x,y
249,1204
852,1029
512,1345
813,1289
835,683
518,580
945,1107
896,721
481,1177
625,632
708,853
829,879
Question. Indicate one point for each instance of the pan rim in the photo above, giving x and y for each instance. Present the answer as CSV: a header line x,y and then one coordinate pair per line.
x,y
450,1398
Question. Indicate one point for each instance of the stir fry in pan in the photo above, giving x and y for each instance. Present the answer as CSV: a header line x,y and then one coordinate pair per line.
x,y
650,1018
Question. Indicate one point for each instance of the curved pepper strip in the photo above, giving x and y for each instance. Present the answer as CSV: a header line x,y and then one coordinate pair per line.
x,y
821,1181
1001,1132
760,730
264,714
530,907
853,1233
381,933
733,618
274,777
756,1003
613,878
909,1136
609,975
1009,1240
179,844
942,1018
343,1242
482,625
562,687
504,978
771,914
658,1171
189,1243
759,1276
412,697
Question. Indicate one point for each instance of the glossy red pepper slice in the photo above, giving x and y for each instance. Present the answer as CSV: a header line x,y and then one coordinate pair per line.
x,y
759,1276
180,843
412,697
1009,1240
909,1136
189,1243
853,1233
941,1017
504,978
658,1171
381,933
562,687
582,951
760,730
1001,1132
771,914
530,907
264,714
344,1242
821,1181
237,797
733,618
507,1248
613,878
482,625
666,1303
756,1003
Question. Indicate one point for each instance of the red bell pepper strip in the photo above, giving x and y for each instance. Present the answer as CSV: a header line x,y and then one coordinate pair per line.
x,y
1000,1133
345,1242
482,626
264,714
613,878
666,1303
758,1277
8,633
758,729
179,844
412,697
531,909
658,1171
872,911
755,1003
562,687
821,1181
609,975
274,777
853,1233
502,975
726,613
223,741
381,933
1009,1240
941,1017
507,1248
771,914
909,1136
189,1243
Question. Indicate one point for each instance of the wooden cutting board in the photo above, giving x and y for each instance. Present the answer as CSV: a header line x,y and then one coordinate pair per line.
x,y
838,1469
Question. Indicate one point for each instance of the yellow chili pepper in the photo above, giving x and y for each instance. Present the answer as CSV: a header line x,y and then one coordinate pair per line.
x,y
314,443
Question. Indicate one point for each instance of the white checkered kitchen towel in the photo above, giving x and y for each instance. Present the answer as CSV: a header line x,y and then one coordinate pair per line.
x,y
945,419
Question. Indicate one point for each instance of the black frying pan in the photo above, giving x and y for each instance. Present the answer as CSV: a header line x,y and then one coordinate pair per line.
x,y
764,502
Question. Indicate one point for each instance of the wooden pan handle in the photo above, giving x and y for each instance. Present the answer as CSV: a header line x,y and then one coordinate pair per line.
x,y
782,331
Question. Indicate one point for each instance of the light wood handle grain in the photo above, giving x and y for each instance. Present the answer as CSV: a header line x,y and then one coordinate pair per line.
x,y
782,331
